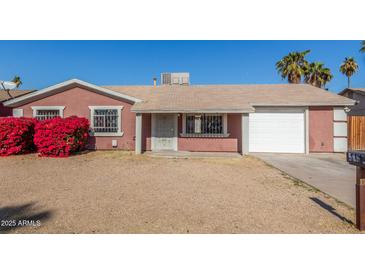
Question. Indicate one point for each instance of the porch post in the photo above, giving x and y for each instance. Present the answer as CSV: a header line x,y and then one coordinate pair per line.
x,y
138,141
245,133
306,118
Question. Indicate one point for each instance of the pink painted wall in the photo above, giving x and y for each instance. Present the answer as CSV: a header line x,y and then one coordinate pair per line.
x,y
229,144
234,128
321,129
207,144
77,101
146,132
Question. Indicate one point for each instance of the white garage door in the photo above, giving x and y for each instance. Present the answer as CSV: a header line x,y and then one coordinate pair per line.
x,y
277,131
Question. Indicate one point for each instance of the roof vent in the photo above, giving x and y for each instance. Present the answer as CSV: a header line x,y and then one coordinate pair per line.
x,y
175,78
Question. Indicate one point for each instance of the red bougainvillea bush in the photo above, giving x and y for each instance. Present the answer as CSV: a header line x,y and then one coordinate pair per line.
x,y
16,135
60,137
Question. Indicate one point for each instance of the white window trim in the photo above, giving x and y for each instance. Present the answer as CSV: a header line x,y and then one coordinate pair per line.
x,y
59,108
225,133
18,112
119,133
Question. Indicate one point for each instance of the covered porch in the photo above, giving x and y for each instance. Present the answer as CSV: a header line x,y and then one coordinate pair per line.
x,y
192,132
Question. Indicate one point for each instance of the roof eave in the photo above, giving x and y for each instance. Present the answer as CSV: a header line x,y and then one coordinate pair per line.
x,y
337,104
245,110
41,93
193,110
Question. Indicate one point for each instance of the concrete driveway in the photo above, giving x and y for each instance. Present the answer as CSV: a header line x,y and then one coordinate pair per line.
x,y
328,172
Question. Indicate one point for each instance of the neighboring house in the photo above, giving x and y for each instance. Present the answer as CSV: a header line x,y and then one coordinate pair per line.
x,y
357,94
292,118
4,95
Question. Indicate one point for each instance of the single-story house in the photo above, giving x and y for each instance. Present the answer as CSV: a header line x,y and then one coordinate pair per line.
x,y
357,94
287,118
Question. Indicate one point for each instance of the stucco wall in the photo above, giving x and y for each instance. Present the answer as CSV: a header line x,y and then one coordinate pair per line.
x,y
208,144
320,129
146,132
77,101
229,144
234,128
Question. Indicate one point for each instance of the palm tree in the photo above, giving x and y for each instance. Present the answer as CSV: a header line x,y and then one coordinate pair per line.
x,y
349,67
362,49
292,66
317,75
17,81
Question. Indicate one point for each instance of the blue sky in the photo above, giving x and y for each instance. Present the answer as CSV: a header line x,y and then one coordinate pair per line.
x,y
43,63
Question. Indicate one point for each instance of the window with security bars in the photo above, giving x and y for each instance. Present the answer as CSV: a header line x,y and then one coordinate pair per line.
x,y
105,120
204,124
43,114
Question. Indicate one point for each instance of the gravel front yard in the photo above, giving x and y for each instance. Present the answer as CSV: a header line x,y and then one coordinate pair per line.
x,y
118,192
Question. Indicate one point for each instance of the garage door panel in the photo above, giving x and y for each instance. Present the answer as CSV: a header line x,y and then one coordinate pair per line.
x,y
281,131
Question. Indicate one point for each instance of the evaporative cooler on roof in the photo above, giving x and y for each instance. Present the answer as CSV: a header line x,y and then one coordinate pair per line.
x,y
175,78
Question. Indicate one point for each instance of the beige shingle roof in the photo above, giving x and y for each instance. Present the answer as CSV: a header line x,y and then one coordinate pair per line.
x,y
228,97
208,98
14,93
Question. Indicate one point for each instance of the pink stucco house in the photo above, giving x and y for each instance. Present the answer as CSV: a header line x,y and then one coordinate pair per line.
x,y
288,118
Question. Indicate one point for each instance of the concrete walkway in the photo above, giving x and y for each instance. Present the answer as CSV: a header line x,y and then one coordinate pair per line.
x,y
328,172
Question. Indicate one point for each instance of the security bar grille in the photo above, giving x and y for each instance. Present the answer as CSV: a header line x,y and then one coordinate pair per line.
x,y
204,124
47,114
105,120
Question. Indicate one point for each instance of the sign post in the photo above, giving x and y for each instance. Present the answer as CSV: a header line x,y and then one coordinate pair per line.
x,y
360,198
357,158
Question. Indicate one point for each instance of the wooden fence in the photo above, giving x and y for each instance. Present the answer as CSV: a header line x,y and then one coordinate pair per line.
x,y
356,133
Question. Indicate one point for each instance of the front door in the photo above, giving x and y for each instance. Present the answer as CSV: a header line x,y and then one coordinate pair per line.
x,y
164,132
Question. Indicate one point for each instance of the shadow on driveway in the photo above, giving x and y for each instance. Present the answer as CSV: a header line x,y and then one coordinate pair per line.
x,y
15,217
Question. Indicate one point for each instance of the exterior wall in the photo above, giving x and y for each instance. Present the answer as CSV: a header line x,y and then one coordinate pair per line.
x,y
77,101
146,132
321,129
206,144
234,127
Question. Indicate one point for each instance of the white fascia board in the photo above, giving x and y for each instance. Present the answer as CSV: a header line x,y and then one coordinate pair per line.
x,y
40,92
195,111
108,91
306,105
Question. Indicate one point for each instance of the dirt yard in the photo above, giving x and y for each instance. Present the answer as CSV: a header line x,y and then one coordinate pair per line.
x,y
118,192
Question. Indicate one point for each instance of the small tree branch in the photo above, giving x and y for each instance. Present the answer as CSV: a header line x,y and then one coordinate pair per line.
x,y
7,90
